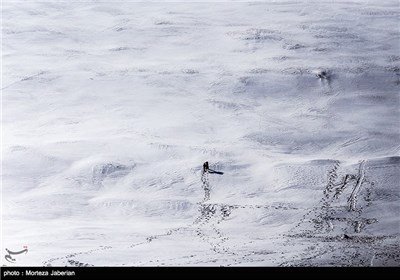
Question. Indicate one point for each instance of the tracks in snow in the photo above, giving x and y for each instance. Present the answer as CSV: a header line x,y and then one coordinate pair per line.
x,y
340,208
69,260
335,224
330,209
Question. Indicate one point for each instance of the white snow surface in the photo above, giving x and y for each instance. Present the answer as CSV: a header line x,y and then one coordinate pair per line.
x,y
109,110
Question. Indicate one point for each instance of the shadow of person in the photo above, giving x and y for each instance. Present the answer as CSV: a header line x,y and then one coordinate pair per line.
x,y
215,172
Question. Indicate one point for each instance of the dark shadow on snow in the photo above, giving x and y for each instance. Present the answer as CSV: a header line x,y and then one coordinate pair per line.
x,y
215,172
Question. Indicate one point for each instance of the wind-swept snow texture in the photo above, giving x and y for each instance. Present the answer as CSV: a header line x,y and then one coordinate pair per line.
x,y
110,109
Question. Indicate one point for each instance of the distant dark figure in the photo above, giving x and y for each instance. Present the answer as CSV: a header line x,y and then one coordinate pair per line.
x,y
322,75
205,167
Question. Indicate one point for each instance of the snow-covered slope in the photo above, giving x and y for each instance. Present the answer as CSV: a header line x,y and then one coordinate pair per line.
x,y
110,110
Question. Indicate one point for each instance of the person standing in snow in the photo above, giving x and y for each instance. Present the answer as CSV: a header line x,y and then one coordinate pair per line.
x,y
205,167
